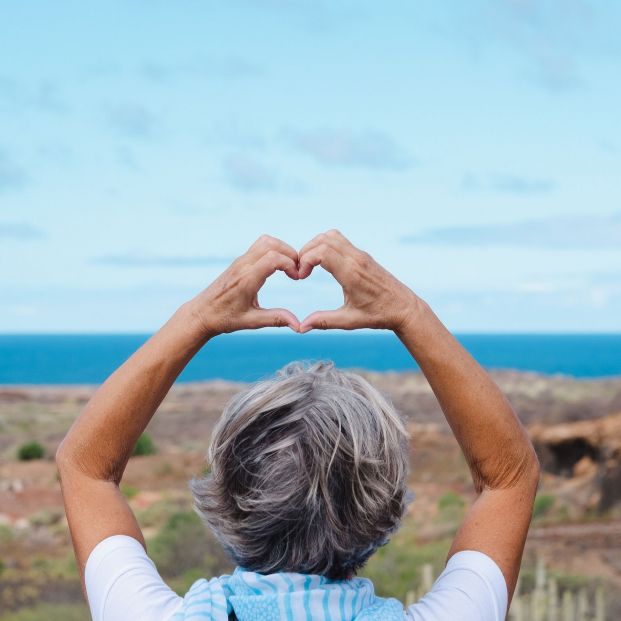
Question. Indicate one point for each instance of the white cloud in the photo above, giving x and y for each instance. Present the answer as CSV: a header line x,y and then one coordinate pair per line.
x,y
21,231
248,173
12,175
131,120
347,148
142,261
580,231
507,183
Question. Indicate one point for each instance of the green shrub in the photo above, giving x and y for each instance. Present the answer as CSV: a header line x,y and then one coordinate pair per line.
x,y
164,469
451,506
6,534
30,450
129,491
49,612
543,504
450,500
183,544
396,568
156,514
144,446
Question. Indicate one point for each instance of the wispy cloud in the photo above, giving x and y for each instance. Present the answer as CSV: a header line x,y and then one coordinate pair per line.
x,y
507,183
230,67
20,231
316,16
548,35
581,231
9,88
172,261
12,175
248,174
556,70
347,148
48,97
605,277
45,96
126,158
131,120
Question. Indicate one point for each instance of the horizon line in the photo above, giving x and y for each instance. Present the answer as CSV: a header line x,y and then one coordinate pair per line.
x,y
333,332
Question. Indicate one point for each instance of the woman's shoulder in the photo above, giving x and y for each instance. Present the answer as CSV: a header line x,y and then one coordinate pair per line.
x,y
471,587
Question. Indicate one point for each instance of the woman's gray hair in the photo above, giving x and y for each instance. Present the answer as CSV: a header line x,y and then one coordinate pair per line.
x,y
308,473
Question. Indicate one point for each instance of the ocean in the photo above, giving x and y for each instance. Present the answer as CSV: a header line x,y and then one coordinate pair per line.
x,y
89,359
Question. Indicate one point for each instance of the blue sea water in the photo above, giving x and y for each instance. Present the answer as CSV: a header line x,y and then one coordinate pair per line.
x,y
89,359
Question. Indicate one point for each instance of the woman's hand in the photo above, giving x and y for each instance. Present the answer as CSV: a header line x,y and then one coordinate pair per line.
x,y
373,297
231,302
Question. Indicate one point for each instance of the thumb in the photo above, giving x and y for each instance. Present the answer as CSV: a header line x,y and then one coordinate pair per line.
x,y
326,320
273,318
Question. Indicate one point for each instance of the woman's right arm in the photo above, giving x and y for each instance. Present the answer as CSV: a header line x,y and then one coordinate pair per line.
x,y
499,453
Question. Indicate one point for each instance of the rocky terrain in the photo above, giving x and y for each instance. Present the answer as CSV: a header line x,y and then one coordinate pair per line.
x,y
575,426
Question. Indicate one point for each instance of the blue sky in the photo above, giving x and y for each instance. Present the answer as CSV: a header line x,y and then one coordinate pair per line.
x,y
473,148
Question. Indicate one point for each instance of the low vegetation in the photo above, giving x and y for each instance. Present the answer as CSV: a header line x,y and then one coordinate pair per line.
x,y
30,450
39,577
144,446
543,505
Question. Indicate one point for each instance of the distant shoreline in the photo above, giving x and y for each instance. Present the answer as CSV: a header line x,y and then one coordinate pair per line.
x,y
498,373
89,359
280,332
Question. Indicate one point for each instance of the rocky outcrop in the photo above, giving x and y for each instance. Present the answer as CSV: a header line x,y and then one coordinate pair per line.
x,y
586,458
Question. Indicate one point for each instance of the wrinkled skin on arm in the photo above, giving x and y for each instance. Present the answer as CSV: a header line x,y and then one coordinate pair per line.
x,y
499,453
92,457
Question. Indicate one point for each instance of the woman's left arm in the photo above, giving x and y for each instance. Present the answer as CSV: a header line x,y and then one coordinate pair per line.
x,y
93,456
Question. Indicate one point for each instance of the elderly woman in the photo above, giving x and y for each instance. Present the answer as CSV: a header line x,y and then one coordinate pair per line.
x,y
308,469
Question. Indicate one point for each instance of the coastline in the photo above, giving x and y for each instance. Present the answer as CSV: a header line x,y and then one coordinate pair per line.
x,y
89,359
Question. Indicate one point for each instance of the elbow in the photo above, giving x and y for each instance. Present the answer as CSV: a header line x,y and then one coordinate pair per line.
x,y
526,466
512,467
528,470
72,462
61,457
64,458
533,468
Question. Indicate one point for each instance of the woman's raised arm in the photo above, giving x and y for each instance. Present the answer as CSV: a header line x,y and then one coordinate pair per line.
x,y
93,456
499,453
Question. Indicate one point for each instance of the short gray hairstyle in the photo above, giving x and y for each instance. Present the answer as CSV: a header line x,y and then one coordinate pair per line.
x,y
308,473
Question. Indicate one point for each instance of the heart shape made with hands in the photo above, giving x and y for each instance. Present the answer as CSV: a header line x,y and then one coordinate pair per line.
x,y
276,262
319,290
372,297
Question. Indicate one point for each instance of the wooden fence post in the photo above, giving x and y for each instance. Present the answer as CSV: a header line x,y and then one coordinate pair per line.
x,y
600,604
552,602
543,603
538,608
568,606
516,613
583,605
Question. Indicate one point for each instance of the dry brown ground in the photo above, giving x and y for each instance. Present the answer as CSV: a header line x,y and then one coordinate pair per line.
x,y
572,540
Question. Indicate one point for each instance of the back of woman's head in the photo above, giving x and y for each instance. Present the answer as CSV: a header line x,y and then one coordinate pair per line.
x,y
308,473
